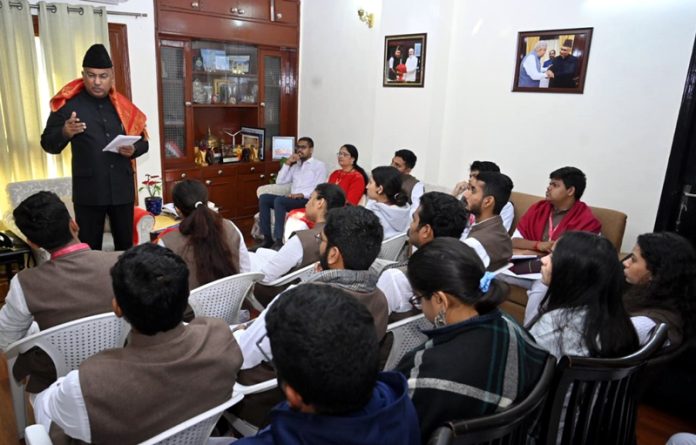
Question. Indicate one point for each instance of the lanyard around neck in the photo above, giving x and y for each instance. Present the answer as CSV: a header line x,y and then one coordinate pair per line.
x,y
69,249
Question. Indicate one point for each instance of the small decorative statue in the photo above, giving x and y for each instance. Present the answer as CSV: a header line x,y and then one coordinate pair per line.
x,y
199,157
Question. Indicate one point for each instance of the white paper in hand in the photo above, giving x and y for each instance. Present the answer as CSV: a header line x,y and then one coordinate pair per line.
x,y
119,141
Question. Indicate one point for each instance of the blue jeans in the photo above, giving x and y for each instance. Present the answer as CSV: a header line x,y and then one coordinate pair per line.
x,y
280,205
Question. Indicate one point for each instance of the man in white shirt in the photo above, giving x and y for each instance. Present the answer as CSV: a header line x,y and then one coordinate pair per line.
x,y
303,172
508,212
439,214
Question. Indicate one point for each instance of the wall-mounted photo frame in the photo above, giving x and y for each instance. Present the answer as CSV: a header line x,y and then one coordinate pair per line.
x,y
404,60
253,139
552,61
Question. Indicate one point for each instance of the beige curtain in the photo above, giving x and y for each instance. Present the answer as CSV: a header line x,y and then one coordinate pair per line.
x,y
21,156
63,51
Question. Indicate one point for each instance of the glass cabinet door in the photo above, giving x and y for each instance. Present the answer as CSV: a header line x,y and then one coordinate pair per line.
x,y
271,94
224,73
172,75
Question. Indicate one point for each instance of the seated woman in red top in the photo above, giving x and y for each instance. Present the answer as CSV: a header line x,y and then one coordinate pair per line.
x,y
350,177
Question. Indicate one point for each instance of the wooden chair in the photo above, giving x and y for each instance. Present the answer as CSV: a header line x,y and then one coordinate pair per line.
x,y
594,400
511,426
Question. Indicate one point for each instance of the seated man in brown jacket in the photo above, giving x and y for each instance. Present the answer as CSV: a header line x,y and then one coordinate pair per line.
x,y
302,249
349,244
73,284
485,198
167,373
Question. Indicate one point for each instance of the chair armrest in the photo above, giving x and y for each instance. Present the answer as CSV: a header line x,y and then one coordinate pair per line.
x,y
253,389
273,189
143,223
36,435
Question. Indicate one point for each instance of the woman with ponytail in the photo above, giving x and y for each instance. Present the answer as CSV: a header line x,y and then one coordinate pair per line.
x,y
388,200
211,246
582,312
473,345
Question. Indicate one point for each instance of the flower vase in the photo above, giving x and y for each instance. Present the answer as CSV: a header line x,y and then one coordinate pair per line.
x,y
153,204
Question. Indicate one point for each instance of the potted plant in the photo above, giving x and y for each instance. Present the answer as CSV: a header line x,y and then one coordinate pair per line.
x,y
153,185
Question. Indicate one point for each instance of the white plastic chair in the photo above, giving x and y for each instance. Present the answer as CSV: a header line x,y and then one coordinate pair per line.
x,y
392,247
222,298
193,431
407,336
242,426
36,435
67,345
302,274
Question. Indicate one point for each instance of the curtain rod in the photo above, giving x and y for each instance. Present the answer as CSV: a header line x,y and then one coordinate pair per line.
x,y
80,10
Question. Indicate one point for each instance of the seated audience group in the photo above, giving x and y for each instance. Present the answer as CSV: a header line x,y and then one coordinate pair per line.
x,y
326,339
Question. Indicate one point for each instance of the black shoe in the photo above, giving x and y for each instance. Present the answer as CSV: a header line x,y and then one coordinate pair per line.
x,y
277,245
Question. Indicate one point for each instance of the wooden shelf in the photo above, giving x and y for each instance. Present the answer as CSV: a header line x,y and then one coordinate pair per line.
x,y
225,74
225,105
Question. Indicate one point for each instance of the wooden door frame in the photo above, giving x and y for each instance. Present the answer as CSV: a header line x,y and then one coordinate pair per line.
x,y
681,169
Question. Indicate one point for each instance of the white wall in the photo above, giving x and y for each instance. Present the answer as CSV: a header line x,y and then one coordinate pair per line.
x,y
339,62
619,132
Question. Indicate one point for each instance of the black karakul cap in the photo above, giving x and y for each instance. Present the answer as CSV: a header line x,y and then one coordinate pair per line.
x,y
97,57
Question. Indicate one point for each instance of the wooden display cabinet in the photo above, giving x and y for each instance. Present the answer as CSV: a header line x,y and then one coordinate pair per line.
x,y
224,65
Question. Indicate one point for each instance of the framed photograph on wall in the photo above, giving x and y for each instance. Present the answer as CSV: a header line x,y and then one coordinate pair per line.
x,y
552,61
253,139
282,147
404,60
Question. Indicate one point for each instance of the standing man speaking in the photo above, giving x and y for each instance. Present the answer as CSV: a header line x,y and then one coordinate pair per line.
x,y
89,113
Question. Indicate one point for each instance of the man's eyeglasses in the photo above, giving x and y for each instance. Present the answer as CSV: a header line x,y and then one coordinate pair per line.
x,y
301,147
